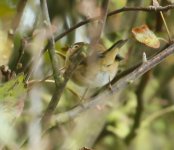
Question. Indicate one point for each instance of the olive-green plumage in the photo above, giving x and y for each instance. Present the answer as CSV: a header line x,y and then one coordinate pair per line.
x,y
100,65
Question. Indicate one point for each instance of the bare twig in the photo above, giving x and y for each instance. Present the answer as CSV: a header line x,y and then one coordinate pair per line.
x,y
114,12
146,9
119,85
165,24
156,4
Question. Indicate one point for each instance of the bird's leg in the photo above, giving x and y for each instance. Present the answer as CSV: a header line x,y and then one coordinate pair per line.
x,y
82,99
73,92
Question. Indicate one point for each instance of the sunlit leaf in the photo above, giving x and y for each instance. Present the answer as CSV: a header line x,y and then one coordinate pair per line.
x,y
144,35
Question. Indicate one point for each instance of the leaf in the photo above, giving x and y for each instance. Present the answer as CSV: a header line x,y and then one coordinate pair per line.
x,y
144,35
11,105
12,96
12,90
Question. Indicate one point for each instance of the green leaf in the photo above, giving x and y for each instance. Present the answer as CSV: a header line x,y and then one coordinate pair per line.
x,y
12,90
11,105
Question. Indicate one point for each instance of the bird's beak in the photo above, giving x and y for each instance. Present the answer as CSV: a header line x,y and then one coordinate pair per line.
x,y
112,52
118,44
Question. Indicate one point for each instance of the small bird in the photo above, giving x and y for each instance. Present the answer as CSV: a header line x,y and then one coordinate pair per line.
x,y
100,65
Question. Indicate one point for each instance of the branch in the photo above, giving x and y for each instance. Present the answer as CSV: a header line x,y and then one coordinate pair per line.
x,y
119,85
146,9
51,49
114,12
75,60
53,58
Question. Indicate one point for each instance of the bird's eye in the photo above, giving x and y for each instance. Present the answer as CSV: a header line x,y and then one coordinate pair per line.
x,y
118,57
108,65
75,46
101,55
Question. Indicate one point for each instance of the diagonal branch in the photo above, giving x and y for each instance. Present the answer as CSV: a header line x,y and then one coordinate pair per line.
x,y
119,85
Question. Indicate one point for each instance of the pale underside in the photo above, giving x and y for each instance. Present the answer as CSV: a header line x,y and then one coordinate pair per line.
x,y
93,77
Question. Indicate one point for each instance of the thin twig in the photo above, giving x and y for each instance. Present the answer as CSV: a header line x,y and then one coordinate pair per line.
x,y
146,9
119,85
165,24
156,115
156,4
114,12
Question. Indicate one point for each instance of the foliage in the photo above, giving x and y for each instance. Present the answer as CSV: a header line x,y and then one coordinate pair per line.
x,y
42,105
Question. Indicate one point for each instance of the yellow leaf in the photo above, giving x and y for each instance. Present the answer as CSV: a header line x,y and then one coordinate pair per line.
x,y
144,35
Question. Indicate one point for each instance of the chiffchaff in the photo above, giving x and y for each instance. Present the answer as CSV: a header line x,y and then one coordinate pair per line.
x,y
100,65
